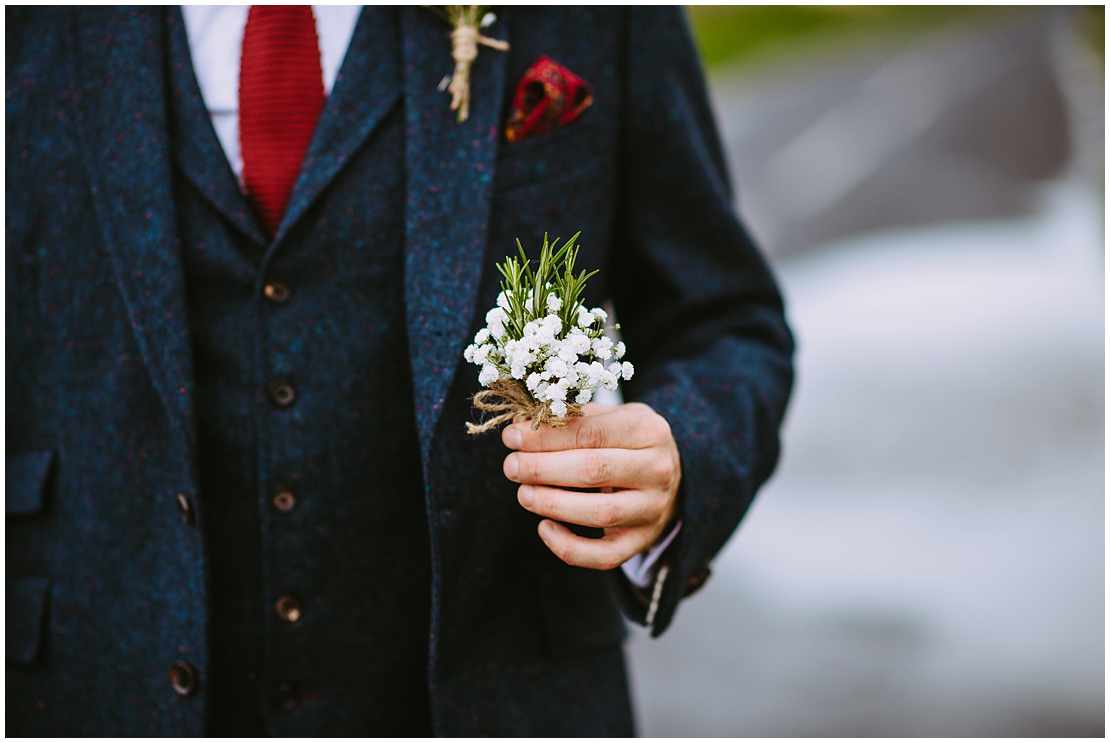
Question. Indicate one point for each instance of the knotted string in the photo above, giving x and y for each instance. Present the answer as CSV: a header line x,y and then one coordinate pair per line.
x,y
464,50
509,398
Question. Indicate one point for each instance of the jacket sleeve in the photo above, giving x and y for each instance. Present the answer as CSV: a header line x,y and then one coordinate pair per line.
x,y
699,310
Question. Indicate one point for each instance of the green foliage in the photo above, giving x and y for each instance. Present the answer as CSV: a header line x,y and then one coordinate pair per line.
x,y
528,290
460,15
734,33
1092,23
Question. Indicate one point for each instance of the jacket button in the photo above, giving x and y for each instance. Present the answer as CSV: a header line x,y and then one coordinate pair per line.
x,y
696,580
277,292
186,508
284,501
288,609
285,697
281,392
183,677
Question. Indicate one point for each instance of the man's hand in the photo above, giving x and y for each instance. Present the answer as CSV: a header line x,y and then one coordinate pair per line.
x,y
627,451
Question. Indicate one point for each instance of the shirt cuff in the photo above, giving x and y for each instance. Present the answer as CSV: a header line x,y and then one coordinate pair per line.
x,y
638,568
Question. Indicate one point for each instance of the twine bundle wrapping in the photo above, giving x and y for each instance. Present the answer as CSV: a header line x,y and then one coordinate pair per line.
x,y
464,50
510,399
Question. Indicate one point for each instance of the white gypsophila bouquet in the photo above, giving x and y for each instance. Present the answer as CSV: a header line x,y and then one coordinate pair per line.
x,y
543,353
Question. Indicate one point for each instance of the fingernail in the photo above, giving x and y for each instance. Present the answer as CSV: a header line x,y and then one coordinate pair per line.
x,y
511,466
512,438
546,528
526,495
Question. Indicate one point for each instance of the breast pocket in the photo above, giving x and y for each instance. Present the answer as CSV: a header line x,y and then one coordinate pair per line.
x,y
546,156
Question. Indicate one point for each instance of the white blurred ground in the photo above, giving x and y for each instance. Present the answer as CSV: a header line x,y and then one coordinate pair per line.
x,y
929,559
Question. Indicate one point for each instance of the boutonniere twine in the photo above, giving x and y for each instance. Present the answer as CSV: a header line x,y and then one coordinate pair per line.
x,y
466,23
542,352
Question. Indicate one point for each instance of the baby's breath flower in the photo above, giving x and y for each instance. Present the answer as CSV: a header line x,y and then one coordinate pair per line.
x,y
489,375
556,350
495,322
624,370
602,347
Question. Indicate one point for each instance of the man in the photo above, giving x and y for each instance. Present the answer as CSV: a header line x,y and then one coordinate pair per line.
x,y
240,495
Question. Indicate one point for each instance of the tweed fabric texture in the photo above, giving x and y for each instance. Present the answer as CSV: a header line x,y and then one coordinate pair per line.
x,y
101,362
281,93
354,551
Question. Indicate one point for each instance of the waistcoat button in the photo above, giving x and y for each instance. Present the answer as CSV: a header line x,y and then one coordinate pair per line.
x,y
183,677
285,501
285,697
185,507
281,392
277,292
288,609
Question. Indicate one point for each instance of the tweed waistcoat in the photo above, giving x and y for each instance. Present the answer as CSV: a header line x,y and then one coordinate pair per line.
x,y
294,514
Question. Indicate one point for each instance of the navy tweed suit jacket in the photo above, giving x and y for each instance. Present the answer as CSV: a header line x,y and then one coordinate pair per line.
x,y
106,584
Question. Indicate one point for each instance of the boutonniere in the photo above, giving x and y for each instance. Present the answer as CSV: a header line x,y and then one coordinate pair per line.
x,y
543,353
466,24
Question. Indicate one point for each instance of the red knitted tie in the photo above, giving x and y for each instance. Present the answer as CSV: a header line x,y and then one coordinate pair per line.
x,y
281,94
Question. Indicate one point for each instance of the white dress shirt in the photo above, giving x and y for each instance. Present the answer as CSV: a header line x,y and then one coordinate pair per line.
x,y
215,34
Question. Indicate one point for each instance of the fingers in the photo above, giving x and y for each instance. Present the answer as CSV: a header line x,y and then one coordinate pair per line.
x,y
593,468
601,510
599,554
631,426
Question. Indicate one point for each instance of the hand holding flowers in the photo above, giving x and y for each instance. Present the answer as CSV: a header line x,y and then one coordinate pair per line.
x,y
543,355
627,451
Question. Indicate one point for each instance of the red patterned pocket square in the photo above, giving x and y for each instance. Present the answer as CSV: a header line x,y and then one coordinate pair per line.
x,y
548,96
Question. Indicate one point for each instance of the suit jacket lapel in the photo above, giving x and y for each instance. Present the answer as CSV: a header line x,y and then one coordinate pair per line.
x,y
121,114
450,168
366,89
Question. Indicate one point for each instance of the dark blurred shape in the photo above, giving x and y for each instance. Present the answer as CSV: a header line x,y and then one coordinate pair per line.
x,y
958,123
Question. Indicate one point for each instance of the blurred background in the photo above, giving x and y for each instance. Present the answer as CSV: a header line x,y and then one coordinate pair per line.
x,y
928,560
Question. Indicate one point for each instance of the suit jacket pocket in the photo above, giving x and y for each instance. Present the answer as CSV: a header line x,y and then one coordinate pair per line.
x,y
24,617
579,611
548,155
25,482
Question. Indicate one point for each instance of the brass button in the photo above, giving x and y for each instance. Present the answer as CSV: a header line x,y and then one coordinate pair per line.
x,y
288,609
183,677
185,507
281,392
284,501
277,292
285,697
